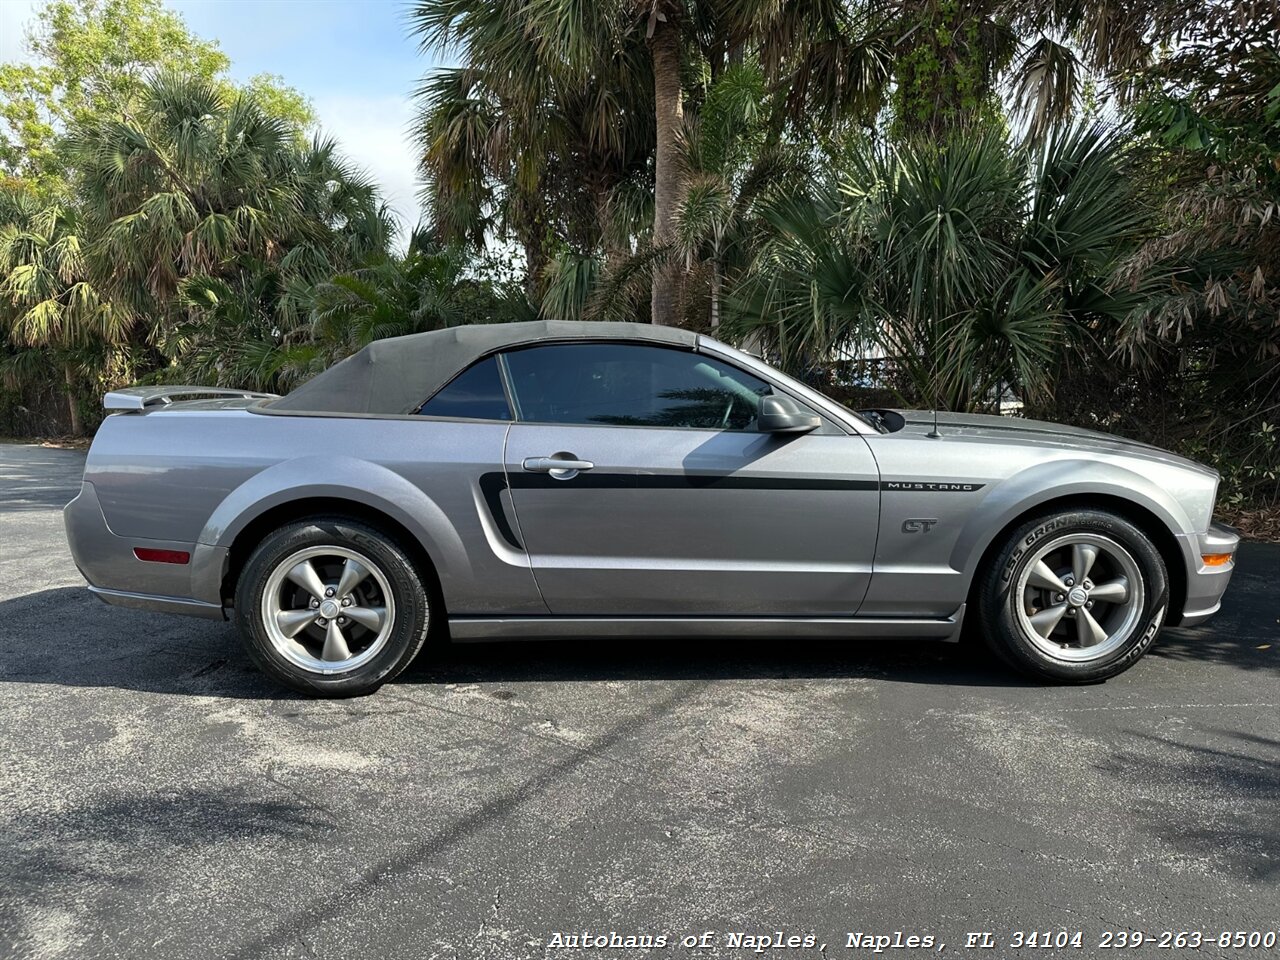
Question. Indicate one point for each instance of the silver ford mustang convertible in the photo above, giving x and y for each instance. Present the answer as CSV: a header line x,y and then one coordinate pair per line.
x,y
618,481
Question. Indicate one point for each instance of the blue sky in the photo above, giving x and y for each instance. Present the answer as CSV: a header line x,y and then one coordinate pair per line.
x,y
353,58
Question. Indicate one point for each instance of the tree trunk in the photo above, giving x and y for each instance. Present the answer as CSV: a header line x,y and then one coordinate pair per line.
x,y
715,294
535,262
77,428
668,105
615,254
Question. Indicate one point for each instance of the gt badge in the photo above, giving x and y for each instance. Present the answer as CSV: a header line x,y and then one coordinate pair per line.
x,y
920,525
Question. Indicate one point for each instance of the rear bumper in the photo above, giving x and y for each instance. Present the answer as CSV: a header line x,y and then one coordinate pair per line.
x,y
118,577
146,601
1206,584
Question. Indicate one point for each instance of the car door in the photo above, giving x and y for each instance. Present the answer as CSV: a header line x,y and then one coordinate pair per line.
x,y
641,488
453,452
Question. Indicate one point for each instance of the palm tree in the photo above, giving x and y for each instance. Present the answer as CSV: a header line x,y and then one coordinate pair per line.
x,y
551,91
949,61
729,163
568,82
668,110
232,331
203,206
430,287
500,135
973,264
546,173
516,144
47,300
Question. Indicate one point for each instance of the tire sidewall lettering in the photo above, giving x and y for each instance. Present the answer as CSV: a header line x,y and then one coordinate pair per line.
x,y
1029,540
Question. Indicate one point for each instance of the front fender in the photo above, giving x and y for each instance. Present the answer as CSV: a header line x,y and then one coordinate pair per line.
x,y
1040,484
346,478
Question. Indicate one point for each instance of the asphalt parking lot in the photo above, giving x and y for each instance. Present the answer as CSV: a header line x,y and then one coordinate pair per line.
x,y
159,798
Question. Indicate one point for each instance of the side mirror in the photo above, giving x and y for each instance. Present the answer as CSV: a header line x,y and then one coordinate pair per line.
x,y
781,414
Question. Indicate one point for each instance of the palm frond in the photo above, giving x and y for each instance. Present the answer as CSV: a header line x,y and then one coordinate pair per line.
x,y
1046,85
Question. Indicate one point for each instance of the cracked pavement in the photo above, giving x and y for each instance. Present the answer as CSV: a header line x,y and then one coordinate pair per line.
x,y
160,799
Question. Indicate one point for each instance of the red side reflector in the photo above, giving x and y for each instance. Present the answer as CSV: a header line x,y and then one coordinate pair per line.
x,y
161,556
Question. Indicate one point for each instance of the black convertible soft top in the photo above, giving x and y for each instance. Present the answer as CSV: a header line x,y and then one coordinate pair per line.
x,y
394,376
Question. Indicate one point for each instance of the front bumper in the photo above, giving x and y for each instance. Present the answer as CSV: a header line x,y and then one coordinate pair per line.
x,y
1207,583
118,577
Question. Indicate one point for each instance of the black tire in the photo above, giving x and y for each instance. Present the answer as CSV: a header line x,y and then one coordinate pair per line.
x,y
409,609
1007,629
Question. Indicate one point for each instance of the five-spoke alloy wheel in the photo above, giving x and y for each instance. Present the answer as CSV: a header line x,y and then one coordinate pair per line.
x,y
1075,596
1081,597
328,609
331,606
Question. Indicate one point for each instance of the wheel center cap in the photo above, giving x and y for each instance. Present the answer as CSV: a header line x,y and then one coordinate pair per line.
x,y
1078,596
329,609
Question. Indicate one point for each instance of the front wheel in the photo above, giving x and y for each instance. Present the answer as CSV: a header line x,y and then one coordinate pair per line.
x,y
331,607
1075,596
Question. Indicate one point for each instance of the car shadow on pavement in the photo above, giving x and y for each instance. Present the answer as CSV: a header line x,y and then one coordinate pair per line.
x,y
903,660
65,636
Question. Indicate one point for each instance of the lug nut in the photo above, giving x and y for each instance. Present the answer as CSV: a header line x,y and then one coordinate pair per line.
x,y
1069,581
322,622
1088,604
341,621
1059,597
314,603
328,592
346,601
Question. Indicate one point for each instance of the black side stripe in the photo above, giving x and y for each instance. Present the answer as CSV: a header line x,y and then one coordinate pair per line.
x,y
491,487
715,481
594,480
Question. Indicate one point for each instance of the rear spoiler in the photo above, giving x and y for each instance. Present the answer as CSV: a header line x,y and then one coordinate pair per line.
x,y
140,398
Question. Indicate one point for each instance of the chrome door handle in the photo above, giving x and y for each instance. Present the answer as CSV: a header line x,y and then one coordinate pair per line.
x,y
556,466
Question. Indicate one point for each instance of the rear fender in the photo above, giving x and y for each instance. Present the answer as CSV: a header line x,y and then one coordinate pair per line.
x,y
345,478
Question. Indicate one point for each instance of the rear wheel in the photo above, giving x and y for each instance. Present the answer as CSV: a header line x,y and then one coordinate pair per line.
x,y
331,607
1075,596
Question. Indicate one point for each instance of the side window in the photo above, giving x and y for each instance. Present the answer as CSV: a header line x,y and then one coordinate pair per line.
x,y
631,385
475,394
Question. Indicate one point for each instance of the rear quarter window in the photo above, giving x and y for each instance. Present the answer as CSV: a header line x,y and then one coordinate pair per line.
x,y
475,394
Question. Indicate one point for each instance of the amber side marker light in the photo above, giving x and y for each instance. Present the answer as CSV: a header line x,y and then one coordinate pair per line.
x,y
1215,559
161,556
